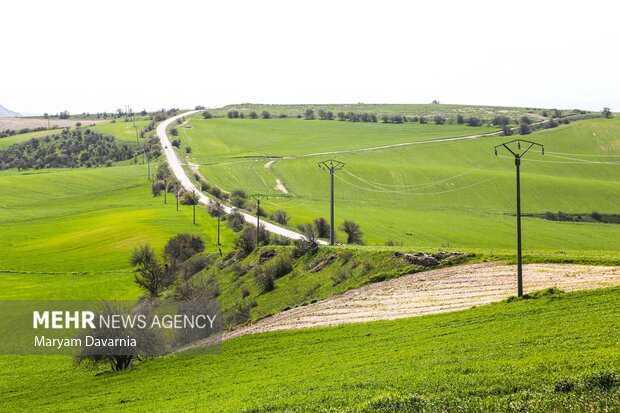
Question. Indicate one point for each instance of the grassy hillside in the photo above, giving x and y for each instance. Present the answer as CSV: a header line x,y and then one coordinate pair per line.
x,y
66,233
121,129
451,194
401,109
554,353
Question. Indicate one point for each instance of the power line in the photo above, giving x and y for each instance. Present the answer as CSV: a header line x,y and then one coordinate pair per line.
x,y
419,193
573,162
518,154
412,186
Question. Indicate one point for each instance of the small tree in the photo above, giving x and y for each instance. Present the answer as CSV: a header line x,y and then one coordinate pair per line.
x,y
174,131
207,115
506,130
439,120
191,198
181,247
474,121
149,273
460,119
524,129
236,221
309,114
266,115
281,217
607,113
253,115
322,227
353,231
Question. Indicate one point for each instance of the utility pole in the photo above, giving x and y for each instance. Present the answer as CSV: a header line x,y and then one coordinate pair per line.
x,y
218,209
331,165
518,155
258,197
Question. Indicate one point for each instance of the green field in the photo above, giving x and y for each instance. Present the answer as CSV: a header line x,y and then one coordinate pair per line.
x,y
501,357
451,194
69,232
402,109
122,130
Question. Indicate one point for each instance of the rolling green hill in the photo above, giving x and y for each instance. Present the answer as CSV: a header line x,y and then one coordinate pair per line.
x,y
554,353
67,233
450,194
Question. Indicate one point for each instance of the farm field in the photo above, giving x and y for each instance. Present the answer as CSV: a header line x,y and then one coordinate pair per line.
x,y
122,130
451,194
68,232
428,110
519,355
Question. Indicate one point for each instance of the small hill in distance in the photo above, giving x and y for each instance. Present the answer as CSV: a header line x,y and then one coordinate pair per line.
x,y
5,113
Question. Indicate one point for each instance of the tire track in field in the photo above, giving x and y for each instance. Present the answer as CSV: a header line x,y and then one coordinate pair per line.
x,y
431,292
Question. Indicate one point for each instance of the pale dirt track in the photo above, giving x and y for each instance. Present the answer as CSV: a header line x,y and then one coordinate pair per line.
x,y
434,291
19,123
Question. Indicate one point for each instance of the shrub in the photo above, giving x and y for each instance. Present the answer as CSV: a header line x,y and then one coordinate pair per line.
x,y
280,266
236,221
423,120
266,115
181,247
322,227
506,130
602,380
207,115
439,120
239,313
264,280
188,149
474,121
524,129
281,217
353,231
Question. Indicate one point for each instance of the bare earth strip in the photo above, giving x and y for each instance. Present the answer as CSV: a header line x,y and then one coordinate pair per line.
x,y
20,123
435,291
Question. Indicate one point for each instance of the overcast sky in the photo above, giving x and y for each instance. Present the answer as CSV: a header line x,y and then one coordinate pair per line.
x,y
101,55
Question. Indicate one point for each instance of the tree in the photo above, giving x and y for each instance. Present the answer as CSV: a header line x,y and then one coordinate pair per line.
x,y
309,241
353,231
207,115
149,273
181,247
526,120
120,356
506,130
266,115
439,120
281,217
174,131
607,113
474,121
524,129
191,198
236,220
341,116
500,120
460,119
253,115
322,227
309,114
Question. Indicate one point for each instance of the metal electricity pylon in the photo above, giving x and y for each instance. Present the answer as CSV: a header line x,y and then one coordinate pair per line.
x,y
331,165
518,155
258,197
